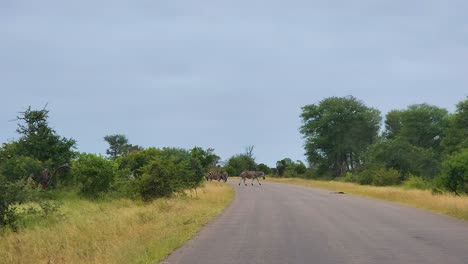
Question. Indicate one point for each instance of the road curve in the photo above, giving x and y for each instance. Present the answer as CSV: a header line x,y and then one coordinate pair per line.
x,y
281,223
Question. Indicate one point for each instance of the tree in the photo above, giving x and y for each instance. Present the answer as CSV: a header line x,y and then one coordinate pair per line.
x,y
207,158
393,124
282,165
249,151
39,141
400,155
238,163
422,125
289,168
456,135
118,145
299,167
134,161
264,168
337,133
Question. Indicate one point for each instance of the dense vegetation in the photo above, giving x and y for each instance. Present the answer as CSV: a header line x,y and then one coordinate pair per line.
x,y
423,145
41,162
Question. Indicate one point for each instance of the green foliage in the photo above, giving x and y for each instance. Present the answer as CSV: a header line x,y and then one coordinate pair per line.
x,y
134,161
282,166
337,132
348,177
39,141
421,125
455,172
456,135
11,194
95,173
20,168
264,168
288,168
400,155
414,182
141,172
163,177
238,163
378,176
207,158
118,145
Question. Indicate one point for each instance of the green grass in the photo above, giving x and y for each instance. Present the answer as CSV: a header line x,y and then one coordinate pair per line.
x,y
456,206
114,231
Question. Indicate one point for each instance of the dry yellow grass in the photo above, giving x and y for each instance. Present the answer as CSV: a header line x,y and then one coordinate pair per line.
x,y
456,206
119,231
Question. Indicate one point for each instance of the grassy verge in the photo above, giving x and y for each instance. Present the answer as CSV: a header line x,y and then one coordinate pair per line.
x,y
118,231
456,206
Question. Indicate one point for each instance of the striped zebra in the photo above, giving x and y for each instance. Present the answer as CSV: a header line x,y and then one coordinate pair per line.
x,y
215,175
251,175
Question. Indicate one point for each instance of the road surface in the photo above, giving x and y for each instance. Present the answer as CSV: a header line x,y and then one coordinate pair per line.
x,y
280,223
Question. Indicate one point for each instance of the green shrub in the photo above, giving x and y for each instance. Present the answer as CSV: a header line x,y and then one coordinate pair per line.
x,y
455,172
124,185
348,177
11,194
414,182
95,173
163,177
378,176
365,177
20,168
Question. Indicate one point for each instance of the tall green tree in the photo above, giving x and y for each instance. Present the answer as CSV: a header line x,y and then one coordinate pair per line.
x,y
207,158
39,141
263,167
421,125
282,165
337,132
238,163
118,145
456,135
289,168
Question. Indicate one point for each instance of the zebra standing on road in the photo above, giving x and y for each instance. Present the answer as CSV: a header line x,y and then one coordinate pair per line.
x,y
251,175
214,175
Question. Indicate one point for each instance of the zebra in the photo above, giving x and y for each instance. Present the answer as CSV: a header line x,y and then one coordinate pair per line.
x,y
251,175
214,175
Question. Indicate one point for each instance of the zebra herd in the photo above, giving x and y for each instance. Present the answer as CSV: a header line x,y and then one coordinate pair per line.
x,y
215,175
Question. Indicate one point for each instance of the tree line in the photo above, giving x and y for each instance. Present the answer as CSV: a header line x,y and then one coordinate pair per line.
x,y
423,145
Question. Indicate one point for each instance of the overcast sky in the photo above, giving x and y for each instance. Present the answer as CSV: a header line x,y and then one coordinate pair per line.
x,y
222,74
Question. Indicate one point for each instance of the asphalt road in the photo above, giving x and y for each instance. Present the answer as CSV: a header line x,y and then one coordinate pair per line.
x,y
280,223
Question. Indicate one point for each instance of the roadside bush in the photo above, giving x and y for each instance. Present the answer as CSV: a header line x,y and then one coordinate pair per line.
x,y
95,173
124,185
163,177
378,176
348,177
414,182
455,172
